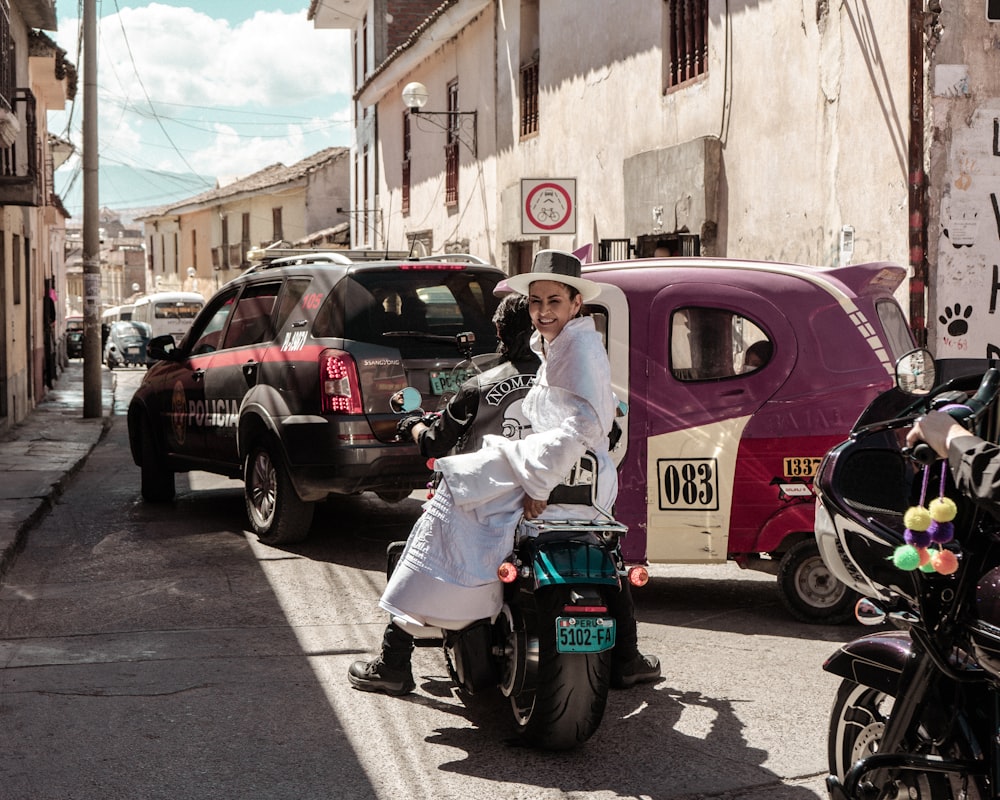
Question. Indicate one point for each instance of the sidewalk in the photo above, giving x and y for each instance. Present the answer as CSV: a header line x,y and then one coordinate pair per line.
x,y
39,454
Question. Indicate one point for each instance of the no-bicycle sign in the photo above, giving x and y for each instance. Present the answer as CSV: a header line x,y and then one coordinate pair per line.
x,y
548,205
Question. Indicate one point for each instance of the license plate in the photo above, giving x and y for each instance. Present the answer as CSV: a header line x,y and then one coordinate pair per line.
x,y
584,634
133,351
448,382
801,467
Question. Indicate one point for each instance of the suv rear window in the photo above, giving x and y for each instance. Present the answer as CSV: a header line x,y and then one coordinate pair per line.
x,y
413,311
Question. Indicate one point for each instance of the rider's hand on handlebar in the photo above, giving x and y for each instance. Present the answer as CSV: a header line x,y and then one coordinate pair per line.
x,y
937,429
533,507
406,425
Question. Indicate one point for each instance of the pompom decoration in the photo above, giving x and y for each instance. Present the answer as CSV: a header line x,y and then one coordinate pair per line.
x,y
906,557
927,525
945,562
917,518
941,532
942,509
917,538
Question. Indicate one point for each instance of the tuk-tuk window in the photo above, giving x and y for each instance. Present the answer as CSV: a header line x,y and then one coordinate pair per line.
x,y
709,344
895,327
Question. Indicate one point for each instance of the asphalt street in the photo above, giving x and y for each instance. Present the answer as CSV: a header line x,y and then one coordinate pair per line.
x,y
162,652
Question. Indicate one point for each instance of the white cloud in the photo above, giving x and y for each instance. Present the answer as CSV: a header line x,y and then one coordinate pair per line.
x,y
231,98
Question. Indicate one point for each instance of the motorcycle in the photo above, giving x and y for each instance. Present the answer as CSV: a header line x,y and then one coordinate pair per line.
x,y
917,714
549,648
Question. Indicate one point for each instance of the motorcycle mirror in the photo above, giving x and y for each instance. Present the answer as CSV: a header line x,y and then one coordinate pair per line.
x,y
405,400
915,372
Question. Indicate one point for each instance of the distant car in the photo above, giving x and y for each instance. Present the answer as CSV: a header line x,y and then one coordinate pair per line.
x,y
126,344
285,377
74,337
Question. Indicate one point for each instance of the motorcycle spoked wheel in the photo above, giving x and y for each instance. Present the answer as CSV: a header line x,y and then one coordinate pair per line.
x,y
857,724
558,699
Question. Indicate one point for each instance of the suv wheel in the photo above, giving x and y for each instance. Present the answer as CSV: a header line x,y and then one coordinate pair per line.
x,y
276,513
393,495
156,481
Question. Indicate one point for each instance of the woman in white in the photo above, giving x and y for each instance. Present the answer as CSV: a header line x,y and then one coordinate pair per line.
x,y
447,574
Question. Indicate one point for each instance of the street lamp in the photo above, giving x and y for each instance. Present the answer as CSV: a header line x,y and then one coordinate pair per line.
x,y
415,97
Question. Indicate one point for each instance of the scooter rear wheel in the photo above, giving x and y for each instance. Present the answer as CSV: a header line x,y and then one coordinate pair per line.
x,y
565,704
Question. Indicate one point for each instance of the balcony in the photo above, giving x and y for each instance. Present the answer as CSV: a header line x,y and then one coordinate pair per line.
x,y
20,179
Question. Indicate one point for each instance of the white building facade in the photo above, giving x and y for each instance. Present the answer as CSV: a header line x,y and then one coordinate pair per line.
x,y
772,130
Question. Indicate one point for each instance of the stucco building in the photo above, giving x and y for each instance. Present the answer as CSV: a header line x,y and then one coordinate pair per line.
x,y
34,77
199,243
776,130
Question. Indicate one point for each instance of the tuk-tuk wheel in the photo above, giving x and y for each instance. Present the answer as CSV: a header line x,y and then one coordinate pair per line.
x,y
808,589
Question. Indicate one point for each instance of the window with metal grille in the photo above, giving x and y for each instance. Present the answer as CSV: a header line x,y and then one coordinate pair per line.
x,y
451,148
686,29
406,187
7,62
529,99
277,224
614,249
406,163
454,120
451,173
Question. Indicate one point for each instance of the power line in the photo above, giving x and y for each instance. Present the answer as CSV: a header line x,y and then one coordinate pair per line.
x,y
138,77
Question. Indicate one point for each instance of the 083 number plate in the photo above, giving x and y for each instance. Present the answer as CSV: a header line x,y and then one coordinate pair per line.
x,y
584,634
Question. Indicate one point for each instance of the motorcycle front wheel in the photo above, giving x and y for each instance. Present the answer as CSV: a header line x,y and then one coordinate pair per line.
x,y
561,706
857,724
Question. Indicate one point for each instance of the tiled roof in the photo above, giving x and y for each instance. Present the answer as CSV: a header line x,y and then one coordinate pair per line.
x,y
269,177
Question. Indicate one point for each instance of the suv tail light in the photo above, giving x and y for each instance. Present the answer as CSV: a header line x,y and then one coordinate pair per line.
x,y
338,380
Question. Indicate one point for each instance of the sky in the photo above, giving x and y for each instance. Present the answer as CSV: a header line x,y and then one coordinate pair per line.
x,y
211,88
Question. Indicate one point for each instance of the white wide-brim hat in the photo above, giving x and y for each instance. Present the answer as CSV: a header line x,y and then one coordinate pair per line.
x,y
555,265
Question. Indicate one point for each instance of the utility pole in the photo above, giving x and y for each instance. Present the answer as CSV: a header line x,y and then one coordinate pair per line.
x,y
92,382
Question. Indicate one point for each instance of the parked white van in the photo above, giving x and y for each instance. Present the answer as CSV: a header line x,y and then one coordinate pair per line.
x,y
168,312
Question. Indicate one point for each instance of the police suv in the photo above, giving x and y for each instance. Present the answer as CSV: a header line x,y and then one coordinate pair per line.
x,y
285,377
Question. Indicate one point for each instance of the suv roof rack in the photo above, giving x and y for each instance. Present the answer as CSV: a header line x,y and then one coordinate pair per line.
x,y
457,258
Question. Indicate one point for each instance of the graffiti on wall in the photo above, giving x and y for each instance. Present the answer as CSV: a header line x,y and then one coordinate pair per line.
x,y
966,293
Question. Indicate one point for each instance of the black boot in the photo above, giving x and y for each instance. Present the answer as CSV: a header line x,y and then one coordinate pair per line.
x,y
628,665
390,671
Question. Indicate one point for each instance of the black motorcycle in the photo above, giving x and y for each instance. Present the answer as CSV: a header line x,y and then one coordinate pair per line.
x,y
917,715
549,649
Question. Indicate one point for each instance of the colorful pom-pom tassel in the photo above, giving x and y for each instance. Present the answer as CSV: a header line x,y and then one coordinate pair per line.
x,y
917,518
945,562
906,557
943,509
927,562
917,538
941,532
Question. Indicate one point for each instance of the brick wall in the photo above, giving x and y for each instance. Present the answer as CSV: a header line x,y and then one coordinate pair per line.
x,y
407,16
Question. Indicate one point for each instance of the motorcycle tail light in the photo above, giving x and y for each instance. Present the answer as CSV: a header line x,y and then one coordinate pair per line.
x,y
507,572
638,576
585,609
339,386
